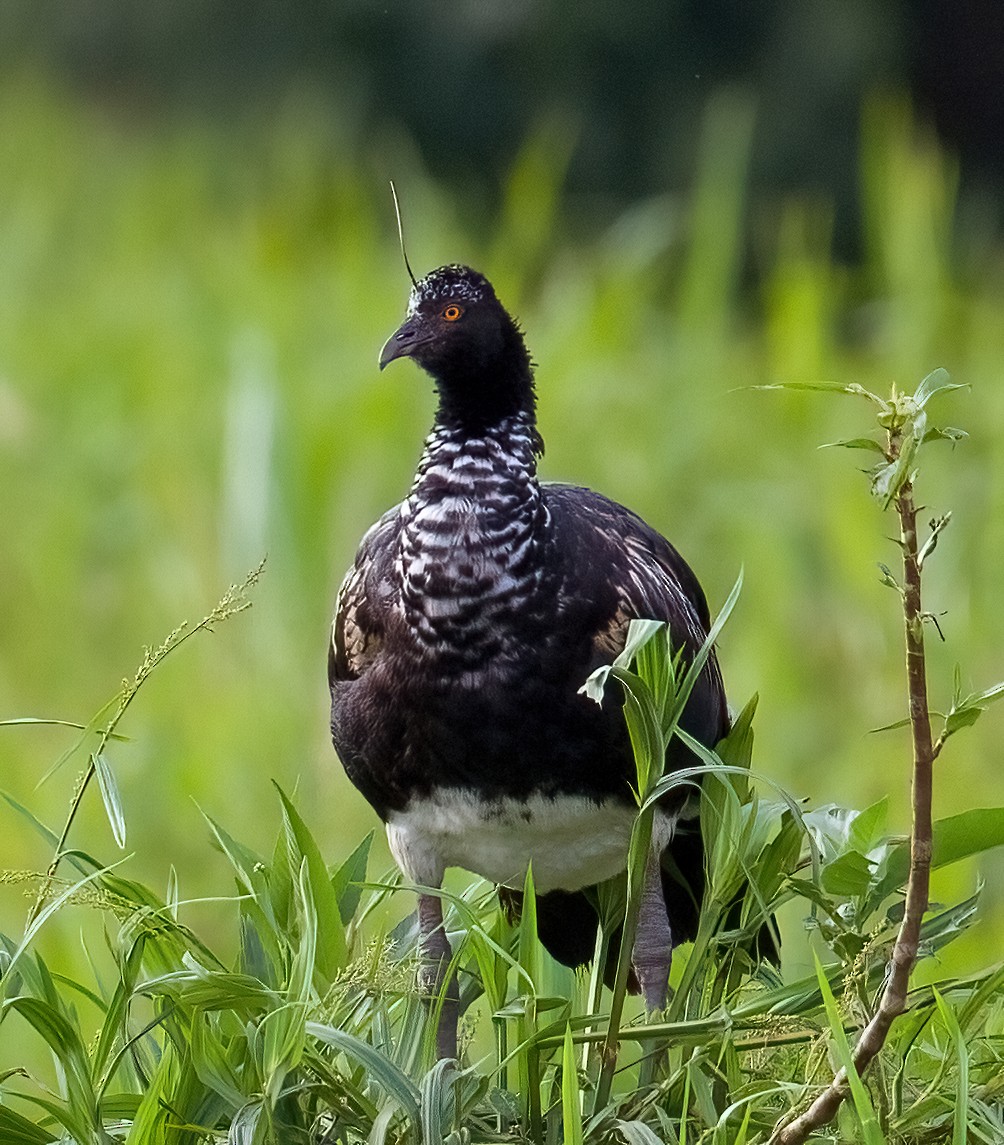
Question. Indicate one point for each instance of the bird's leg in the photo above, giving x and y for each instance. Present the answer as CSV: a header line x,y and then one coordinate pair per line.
x,y
653,942
435,956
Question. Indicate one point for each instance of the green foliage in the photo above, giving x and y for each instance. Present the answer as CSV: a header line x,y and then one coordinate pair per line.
x,y
314,1033
187,316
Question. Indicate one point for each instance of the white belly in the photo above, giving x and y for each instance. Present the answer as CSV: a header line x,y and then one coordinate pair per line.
x,y
571,841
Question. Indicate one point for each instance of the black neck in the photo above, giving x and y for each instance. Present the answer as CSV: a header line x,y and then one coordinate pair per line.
x,y
502,387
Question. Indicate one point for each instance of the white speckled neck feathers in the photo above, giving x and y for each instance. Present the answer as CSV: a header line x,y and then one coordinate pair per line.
x,y
474,530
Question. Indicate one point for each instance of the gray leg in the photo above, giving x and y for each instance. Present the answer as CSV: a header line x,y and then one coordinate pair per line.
x,y
653,943
435,955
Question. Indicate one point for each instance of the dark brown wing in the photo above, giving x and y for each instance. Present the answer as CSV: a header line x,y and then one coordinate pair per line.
x,y
357,632
632,572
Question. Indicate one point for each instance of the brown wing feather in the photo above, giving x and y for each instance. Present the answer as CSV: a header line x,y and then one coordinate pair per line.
x,y
357,631
615,550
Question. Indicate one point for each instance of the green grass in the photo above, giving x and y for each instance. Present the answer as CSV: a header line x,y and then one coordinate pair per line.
x,y
189,320
312,1032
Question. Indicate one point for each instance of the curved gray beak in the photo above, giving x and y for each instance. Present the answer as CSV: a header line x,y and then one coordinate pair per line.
x,y
402,343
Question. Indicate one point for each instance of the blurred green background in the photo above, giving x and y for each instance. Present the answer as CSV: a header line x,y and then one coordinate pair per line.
x,y
198,265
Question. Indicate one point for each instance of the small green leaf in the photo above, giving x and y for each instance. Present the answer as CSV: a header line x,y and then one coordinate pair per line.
x,y
826,387
962,717
529,947
936,382
891,727
888,579
938,526
855,443
966,710
991,694
110,797
639,633
346,881
888,480
945,433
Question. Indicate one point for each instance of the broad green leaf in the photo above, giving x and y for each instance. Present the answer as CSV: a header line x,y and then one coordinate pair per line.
x,y
212,1065
570,1093
18,1130
956,837
868,827
65,1113
346,881
438,1101
379,1066
637,1133
244,1127
849,875
331,951
65,1042
968,833
196,986
647,742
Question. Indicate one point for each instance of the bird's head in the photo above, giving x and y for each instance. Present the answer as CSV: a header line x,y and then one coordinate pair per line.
x,y
457,330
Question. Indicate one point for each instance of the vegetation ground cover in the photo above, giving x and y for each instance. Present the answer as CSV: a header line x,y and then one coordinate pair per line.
x,y
188,327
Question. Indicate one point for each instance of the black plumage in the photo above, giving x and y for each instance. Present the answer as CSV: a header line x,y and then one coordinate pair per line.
x,y
474,612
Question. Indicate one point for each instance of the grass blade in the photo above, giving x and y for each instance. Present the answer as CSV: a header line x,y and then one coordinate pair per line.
x,y
571,1111
870,1130
960,1118
110,797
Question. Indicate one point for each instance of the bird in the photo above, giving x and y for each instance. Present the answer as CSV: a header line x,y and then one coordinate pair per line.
x,y
463,632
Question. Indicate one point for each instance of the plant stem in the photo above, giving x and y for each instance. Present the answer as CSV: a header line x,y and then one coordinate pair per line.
x,y
904,953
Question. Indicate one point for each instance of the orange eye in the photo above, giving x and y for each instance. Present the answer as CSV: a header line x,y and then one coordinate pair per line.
x,y
452,313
